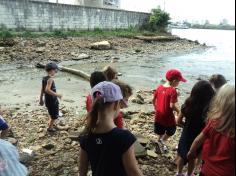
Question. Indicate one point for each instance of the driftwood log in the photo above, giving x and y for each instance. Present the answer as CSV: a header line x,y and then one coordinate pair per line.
x,y
157,38
68,70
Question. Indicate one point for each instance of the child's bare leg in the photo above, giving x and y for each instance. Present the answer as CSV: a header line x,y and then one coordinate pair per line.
x,y
4,133
159,137
191,166
180,165
165,137
51,123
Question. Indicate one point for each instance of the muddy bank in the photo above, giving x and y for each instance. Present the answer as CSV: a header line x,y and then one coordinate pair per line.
x,y
59,49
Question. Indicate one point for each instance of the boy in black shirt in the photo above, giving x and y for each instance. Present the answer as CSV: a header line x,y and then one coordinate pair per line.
x,y
50,95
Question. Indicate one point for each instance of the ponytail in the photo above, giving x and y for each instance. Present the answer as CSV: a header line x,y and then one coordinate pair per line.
x,y
92,118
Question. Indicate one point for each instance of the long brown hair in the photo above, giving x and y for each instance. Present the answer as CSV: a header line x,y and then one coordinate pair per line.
x,y
222,110
98,107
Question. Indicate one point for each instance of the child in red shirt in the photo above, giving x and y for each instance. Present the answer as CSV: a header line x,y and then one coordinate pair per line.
x,y
218,138
165,99
95,78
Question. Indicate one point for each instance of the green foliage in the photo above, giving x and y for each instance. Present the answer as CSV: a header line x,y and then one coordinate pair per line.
x,y
131,32
59,33
158,21
5,34
27,34
213,26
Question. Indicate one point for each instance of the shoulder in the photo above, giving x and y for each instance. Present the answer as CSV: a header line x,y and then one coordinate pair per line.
x,y
8,148
50,80
159,88
172,89
124,139
210,127
123,135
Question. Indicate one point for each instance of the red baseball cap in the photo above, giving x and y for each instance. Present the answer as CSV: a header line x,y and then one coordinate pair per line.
x,y
175,74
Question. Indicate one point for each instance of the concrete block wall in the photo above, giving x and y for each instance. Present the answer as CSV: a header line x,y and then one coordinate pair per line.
x,y
23,14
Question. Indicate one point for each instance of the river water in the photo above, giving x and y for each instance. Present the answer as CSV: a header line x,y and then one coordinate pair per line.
x,y
22,86
148,71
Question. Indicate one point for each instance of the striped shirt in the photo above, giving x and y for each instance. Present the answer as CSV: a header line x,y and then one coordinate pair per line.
x,y
9,161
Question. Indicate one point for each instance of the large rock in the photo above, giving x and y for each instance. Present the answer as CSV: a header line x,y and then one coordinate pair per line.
x,y
82,57
140,151
152,154
104,45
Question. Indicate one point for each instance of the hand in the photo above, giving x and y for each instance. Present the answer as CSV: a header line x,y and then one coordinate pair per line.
x,y
179,121
191,156
41,102
60,96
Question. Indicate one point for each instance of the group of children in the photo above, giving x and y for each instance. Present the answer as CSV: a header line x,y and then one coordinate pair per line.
x,y
207,117
208,136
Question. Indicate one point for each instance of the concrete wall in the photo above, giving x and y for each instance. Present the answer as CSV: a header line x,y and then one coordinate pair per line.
x,y
23,14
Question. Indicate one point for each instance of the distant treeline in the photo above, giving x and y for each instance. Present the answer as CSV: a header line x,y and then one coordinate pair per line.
x,y
213,26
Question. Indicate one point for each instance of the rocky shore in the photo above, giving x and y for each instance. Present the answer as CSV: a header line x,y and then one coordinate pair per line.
x,y
64,49
57,155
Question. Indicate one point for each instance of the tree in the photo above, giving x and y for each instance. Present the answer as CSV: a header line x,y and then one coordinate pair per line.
x,y
159,20
207,22
224,22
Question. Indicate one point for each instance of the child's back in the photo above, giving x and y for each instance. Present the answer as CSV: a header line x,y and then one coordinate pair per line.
x,y
219,152
164,113
108,149
105,151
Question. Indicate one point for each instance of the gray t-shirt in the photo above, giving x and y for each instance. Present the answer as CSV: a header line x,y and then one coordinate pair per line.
x,y
9,161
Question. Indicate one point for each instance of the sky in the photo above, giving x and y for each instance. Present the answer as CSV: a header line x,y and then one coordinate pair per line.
x,y
180,10
191,10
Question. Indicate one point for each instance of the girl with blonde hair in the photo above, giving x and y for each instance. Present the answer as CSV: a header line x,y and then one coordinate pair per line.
x,y
218,138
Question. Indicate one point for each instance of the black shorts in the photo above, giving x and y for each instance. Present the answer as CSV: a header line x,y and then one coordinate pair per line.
x,y
161,130
53,111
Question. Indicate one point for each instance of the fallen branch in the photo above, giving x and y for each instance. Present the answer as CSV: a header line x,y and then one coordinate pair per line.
x,y
157,38
68,70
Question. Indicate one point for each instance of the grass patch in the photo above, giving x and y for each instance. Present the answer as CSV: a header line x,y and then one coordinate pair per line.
x,y
123,33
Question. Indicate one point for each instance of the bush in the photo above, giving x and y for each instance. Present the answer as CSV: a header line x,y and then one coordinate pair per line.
x,y
59,33
158,21
5,35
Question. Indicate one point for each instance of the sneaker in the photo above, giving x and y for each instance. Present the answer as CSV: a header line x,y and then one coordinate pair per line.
x,y
51,130
164,148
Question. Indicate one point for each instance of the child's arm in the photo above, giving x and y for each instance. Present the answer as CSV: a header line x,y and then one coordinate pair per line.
x,y
41,103
49,91
196,145
174,107
4,133
130,163
83,163
180,119
154,99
